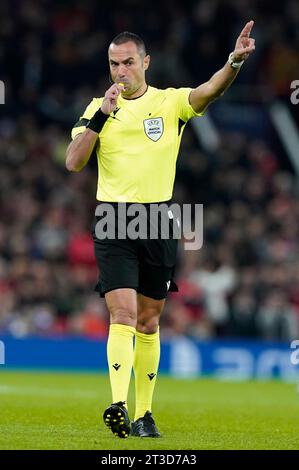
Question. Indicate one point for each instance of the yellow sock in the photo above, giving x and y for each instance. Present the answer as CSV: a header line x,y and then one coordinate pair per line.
x,y
146,362
120,360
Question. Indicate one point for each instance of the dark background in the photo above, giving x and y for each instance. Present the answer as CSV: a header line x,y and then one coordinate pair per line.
x,y
53,60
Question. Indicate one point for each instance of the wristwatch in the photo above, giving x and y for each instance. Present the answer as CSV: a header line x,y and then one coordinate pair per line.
x,y
234,65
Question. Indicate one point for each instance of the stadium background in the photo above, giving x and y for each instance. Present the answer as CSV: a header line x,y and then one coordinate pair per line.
x,y
238,306
239,161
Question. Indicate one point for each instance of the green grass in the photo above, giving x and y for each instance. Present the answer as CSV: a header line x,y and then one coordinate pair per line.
x,y
64,411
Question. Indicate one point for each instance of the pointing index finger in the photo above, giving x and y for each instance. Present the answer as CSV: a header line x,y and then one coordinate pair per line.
x,y
247,29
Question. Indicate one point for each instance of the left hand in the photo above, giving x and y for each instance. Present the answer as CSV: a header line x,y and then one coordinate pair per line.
x,y
244,45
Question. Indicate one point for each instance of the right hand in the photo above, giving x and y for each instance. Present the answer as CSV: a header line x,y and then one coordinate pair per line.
x,y
110,99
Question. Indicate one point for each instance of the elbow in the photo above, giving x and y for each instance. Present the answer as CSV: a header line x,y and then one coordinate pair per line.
x,y
70,165
72,168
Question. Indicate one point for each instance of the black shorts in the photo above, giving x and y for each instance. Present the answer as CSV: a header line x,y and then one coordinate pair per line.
x,y
146,265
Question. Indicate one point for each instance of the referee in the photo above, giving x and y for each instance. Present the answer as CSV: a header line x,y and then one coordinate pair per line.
x,y
136,130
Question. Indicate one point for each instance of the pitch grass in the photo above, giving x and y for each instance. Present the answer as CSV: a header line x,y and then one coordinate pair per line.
x,y
64,411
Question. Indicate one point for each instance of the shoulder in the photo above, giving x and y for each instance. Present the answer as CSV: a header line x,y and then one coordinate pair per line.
x,y
96,102
179,91
175,93
170,93
162,91
92,107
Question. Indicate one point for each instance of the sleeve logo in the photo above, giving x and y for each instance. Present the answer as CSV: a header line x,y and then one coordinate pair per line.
x,y
153,128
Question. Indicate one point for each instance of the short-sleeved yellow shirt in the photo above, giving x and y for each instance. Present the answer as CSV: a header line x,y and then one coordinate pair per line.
x,y
139,144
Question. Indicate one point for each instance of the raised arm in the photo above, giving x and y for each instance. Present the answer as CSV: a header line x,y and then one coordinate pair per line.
x,y
80,149
207,92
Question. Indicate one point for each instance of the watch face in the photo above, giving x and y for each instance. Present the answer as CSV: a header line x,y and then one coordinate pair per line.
x,y
235,65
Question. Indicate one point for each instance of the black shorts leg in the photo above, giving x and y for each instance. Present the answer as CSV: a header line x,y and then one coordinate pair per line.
x,y
118,265
156,281
156,269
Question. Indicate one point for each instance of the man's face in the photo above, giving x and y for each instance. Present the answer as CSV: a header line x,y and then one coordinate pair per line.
x,y
127,66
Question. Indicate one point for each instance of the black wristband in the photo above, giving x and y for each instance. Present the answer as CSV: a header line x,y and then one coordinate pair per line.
x,y
97,121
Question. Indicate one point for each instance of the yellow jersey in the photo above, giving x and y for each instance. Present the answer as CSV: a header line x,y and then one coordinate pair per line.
x,y
139,144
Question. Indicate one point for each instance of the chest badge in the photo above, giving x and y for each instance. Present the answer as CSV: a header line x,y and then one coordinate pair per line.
x,y
154,128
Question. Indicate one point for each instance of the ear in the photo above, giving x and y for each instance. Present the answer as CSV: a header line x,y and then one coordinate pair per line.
x,y
146,62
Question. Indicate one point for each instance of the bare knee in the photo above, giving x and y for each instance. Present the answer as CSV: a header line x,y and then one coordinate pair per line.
x,y
149,312
122,306
148,321
123,316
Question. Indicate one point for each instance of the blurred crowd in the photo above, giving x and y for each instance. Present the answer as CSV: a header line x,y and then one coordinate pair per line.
x,y
53,59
